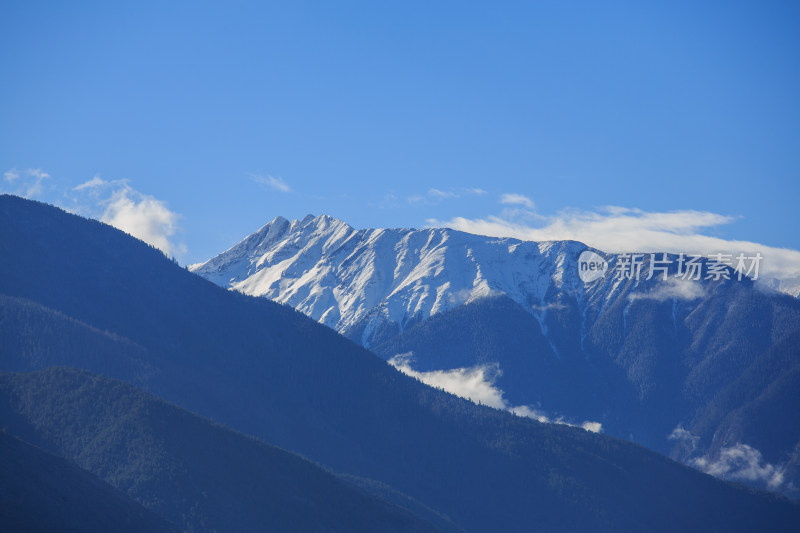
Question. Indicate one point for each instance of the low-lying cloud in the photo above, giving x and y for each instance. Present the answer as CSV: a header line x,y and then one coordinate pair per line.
x,y
549,307
739,462
744,463
477,384
673,289
687,440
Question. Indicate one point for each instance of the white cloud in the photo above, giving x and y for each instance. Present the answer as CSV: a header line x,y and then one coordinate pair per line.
x,y
144,217
435,195
415,199
91,184
594,427
118,204
516,199
114,202
272,182
477,384
686,438
28,184
618,230
530,412
741,462
738,462
673,288
11,175
548,307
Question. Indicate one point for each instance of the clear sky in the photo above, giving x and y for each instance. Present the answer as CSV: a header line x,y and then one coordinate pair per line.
x,y
222,115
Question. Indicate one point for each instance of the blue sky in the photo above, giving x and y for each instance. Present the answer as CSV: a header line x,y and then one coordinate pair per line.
x,y
215,117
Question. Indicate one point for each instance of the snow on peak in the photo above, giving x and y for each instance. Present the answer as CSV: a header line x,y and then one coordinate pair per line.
x,y
345,277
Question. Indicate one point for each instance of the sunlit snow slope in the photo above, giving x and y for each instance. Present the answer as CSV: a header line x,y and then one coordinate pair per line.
x,y
359,280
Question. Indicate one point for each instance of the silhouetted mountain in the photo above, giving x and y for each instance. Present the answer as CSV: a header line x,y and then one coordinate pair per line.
x,y
184,468
268,371
42,493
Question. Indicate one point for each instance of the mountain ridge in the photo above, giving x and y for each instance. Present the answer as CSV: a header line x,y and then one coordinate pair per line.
x,y
271,372
639,356
189,470
261,264
42,492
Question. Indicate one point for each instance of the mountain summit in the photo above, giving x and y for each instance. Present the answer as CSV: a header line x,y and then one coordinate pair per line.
x,y
360,282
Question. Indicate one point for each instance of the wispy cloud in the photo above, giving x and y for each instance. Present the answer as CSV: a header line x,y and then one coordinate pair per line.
x,y
687,440
619,229
456,193
549,307
477,384
273,182
28,183
434,195
671,289
93,183
516,199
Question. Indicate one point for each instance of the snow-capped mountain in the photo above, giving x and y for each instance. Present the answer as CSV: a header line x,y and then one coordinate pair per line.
x,y
686,364
362,280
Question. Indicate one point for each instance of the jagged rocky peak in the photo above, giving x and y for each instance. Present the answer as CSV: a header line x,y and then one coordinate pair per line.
x,y
348,278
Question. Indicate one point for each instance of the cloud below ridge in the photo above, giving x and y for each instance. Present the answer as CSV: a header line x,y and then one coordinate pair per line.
x,y
477,384
741,462
673,288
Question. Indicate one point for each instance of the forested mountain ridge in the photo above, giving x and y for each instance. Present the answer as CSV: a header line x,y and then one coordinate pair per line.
x,y
41,493
266,370
196,474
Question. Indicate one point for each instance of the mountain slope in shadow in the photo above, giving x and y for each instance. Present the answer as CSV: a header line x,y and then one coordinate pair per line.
x,y
40,493
186,469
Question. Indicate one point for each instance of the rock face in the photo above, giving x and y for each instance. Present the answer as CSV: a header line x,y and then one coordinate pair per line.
x,y
360,281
